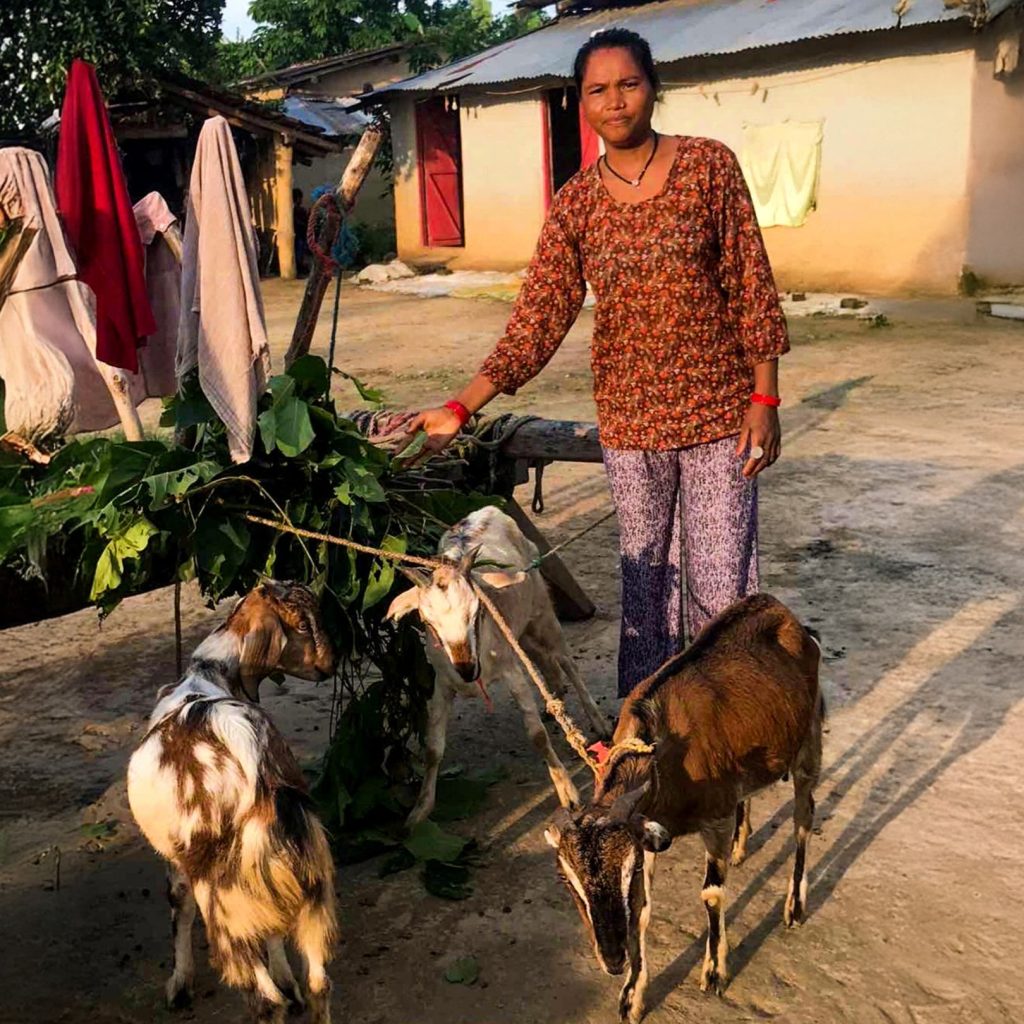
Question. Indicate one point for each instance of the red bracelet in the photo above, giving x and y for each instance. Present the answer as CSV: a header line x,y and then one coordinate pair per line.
x,y
460,410
771,400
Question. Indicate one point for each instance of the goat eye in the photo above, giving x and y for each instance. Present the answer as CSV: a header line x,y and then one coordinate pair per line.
x,y
303,627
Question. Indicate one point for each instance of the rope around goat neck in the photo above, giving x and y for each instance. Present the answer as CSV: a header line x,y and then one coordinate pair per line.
x,y
555,706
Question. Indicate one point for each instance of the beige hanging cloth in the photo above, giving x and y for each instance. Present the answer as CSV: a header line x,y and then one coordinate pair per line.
x,y
47,325
781,163
222,329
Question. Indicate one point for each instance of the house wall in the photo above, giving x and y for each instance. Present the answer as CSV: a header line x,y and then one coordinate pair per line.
x,y
353,80
892,205
502,182
995,238
374,204
892,214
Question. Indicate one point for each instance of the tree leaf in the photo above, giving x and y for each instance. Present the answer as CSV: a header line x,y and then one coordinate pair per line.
x,y
463,971
411,451
382,574
221,547
447,881
428,841
182,412
126,546
14,521
293,432
282,387
367,394
311,376
363,483
173,483
267,422
99,829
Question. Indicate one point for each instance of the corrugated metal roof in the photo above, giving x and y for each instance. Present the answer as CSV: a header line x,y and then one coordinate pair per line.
x,y
677,29
325,65
326,114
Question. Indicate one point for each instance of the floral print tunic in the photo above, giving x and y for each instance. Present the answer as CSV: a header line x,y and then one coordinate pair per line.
x,y
686,302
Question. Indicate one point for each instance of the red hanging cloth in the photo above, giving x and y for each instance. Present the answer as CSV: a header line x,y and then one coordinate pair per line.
x,y
93,201
590,144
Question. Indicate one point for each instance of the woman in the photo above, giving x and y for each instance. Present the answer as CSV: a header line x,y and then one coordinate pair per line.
x,y
687,333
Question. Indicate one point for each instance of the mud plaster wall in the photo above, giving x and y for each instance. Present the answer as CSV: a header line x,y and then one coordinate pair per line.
x,y
502,182
995,238
892,210
892,215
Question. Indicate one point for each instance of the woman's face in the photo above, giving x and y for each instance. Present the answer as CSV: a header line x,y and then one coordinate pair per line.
x,y
617,98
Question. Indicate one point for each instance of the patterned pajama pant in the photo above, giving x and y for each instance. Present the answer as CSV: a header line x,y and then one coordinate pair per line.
x,y
686,517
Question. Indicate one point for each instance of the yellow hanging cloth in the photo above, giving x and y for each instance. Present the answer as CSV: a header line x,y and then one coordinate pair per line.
x,y
781,163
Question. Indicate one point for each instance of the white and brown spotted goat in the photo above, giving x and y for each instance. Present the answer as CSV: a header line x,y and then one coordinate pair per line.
x,y
467,650
216,791
735,712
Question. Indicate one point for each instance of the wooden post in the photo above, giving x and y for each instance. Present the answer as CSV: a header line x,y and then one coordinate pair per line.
x,y
571,603
316,284
172,239
283,207
120,393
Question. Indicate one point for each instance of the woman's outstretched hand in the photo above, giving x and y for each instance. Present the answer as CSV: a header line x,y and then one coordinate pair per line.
x,y
760,430
440,425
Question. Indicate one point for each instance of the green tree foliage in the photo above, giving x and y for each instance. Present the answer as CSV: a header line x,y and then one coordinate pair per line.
x,y
127,40
292,31
107,519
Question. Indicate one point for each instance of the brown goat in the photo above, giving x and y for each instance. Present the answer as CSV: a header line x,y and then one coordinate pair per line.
x,y
216,791
735,712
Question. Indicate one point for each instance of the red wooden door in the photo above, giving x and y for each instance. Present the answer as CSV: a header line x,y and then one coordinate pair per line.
x,y
440,169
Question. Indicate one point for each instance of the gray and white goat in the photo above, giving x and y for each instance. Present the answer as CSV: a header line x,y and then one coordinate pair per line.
x,y
735,712
467,650
216,791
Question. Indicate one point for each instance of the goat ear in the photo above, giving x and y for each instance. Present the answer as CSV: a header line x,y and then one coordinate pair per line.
x,y
623,807
500,580
654,837
407,601
261,650
560,824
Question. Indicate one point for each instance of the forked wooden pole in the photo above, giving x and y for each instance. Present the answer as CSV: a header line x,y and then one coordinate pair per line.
x,y
316,284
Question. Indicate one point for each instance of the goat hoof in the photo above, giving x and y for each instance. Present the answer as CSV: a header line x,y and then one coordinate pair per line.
x,y
179,994
296,1004
712,980
792,913
739,855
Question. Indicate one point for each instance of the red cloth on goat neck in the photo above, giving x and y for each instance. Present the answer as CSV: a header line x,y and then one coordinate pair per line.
x,y
93,201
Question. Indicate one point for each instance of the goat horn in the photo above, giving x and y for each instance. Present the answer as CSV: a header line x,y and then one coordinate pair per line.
x,y
625,805
419,578
467,560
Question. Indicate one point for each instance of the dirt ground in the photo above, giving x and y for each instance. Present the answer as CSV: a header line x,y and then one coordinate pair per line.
x,y
894,523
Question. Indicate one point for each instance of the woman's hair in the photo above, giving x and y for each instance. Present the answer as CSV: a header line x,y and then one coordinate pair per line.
x,y
616,39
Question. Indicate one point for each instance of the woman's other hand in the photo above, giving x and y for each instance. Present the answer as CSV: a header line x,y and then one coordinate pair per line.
x,y
760,430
